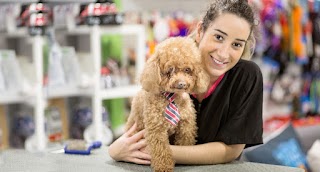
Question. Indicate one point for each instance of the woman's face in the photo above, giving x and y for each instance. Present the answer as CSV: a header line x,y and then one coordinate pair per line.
x,y
222,44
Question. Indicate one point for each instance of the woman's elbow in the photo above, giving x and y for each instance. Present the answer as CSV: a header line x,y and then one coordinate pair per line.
x,y
233,152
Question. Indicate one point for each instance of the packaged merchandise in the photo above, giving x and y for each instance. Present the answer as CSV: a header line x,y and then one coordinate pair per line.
x,y
3,128
106,80
53,124
37,17
1,146
81,116
23,127
8,13
3,9
71,66
2,84
11,71
100,13
34,14
1,139
107,134
56,75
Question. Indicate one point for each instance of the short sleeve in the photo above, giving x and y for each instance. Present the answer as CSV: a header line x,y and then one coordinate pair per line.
x,y
244,122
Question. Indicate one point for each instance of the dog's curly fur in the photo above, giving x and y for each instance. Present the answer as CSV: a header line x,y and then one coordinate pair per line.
x,y
175,67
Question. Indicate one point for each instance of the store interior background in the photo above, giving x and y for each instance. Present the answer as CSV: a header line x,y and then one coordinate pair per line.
x,y
49,109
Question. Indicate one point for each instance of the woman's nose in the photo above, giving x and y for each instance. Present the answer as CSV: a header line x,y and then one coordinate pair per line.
x,y
223,51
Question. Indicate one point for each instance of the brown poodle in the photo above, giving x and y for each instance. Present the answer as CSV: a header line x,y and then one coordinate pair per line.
x,y
163,106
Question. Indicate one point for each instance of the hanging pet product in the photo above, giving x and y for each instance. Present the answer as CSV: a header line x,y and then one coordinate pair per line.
x,y
36,16
56,74
11,72
102,12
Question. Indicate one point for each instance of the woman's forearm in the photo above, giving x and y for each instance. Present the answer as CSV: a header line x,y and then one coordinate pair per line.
x,y
209,153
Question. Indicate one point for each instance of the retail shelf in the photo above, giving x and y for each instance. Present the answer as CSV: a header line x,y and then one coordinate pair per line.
x,y
68,91
18,33
120,92
68,1
18,1
12,98
41,93
125,29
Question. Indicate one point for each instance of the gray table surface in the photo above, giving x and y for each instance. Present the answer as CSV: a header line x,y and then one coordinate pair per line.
x,y
99,160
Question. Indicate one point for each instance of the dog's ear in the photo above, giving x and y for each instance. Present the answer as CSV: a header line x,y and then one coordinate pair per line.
x,y
150,76
202,81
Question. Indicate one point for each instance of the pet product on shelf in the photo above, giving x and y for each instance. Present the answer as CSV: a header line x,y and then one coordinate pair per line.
x,y
36,16
71,66
100,12
22,127
56,75
11,71
53,124
2,83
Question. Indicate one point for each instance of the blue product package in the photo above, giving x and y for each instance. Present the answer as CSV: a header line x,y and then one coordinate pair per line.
x,y
81,147
77,151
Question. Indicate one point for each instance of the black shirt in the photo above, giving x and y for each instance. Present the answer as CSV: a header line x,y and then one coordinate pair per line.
x,y
232,114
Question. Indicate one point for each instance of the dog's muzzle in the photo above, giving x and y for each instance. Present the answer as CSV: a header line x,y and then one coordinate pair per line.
x,y
181,85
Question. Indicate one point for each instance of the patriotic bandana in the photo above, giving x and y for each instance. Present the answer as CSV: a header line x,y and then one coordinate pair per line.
x,y
171,112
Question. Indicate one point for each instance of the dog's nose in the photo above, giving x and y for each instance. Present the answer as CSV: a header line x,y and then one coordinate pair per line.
x,y
181,85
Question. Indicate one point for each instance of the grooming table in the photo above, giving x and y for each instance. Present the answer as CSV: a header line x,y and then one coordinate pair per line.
x,y
99,160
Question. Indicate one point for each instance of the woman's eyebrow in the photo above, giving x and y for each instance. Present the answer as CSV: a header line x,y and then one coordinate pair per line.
x,y
224,33
221,32
242,40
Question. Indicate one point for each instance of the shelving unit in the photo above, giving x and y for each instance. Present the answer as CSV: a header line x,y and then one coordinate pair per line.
x,y
68,91
12,98
95,33
38,141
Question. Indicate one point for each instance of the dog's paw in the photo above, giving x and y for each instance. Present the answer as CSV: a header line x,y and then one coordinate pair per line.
x,y
164,166
164,170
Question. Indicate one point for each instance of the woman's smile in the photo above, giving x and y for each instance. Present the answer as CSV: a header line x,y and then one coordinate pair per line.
x,y
218,63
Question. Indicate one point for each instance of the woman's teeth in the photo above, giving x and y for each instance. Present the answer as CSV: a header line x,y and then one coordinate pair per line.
x,y
218,62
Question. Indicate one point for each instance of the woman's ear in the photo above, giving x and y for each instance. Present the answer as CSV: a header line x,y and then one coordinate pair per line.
x,y
202,81
150,76
198,32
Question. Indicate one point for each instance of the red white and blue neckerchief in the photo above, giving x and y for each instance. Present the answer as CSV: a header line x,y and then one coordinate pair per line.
x,y
171,112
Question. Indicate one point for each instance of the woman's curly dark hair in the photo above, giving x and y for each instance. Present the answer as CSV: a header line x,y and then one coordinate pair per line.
x,y
240,8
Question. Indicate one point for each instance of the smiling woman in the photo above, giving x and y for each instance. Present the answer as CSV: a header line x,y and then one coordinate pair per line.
x,y
223,42
229,112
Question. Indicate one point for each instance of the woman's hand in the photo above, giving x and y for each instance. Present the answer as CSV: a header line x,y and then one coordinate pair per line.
x,y
130,147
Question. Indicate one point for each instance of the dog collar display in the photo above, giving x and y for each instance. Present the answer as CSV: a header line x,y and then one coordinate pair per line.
x,y
171,112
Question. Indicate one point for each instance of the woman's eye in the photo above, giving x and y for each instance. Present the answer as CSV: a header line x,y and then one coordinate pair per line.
x,y
238,45
218,37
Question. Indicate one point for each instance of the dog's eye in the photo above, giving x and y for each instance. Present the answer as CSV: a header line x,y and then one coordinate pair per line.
x,y
187,70
169,72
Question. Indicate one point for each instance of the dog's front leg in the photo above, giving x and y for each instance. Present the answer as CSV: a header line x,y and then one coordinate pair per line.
x,y
158,145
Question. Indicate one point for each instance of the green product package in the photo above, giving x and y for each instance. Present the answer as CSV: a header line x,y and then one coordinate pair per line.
x,y
116,108
111,46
